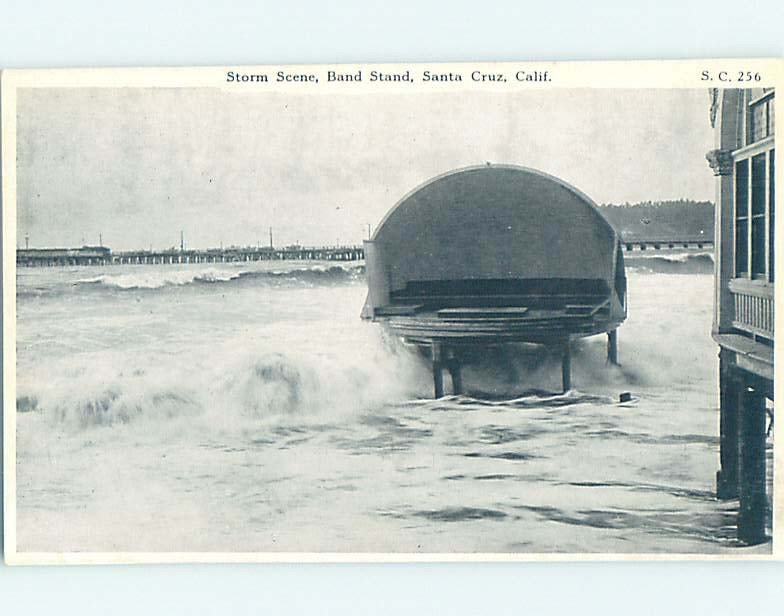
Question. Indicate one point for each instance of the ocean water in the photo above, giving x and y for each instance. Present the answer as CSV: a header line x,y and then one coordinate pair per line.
x,y
246,407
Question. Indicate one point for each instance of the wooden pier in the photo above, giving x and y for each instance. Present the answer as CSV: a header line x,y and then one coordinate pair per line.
x,y
667,244
101,255
92,255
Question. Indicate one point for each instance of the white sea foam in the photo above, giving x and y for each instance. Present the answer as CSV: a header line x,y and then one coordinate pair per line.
x,y
156,279
233,383
159,277
294,366
674,257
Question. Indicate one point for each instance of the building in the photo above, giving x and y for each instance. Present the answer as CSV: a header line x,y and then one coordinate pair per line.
x,y
495,254
86,255
743,325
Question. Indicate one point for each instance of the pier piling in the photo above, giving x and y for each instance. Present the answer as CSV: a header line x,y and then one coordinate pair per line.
x,y
612,347
455,372
438,369
751,467
729,401
566,367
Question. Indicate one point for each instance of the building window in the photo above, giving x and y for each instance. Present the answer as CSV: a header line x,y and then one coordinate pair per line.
x,y
761,117
754,190
758,207
741,217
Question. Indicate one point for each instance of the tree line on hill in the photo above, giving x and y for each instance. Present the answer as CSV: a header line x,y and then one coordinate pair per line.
x,y
682,218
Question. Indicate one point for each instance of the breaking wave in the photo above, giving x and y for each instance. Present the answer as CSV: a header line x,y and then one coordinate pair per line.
x,y
676,263
162,278
159,279
225,388
148,279
257,362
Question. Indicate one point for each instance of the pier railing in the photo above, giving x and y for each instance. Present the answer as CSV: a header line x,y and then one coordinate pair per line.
x,y
754,307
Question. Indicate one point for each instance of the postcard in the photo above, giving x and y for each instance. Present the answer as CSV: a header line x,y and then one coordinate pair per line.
x,y
422,312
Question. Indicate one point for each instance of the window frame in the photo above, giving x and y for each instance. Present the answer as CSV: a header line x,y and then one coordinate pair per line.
x,y
746,155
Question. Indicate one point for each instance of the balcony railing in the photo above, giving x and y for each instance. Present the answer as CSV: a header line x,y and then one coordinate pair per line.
x,y
754,310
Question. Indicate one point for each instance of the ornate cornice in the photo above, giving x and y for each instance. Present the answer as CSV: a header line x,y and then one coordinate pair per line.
x,y
720,161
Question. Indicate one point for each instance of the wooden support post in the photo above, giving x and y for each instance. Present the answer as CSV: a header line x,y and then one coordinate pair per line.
x,y
566,367
751,467
455,372
438,374
729,401
612,347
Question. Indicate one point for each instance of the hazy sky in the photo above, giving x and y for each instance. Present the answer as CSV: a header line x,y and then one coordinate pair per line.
x,y
139,165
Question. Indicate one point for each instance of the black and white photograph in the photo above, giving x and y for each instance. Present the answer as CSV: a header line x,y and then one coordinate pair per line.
x,y
388,312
